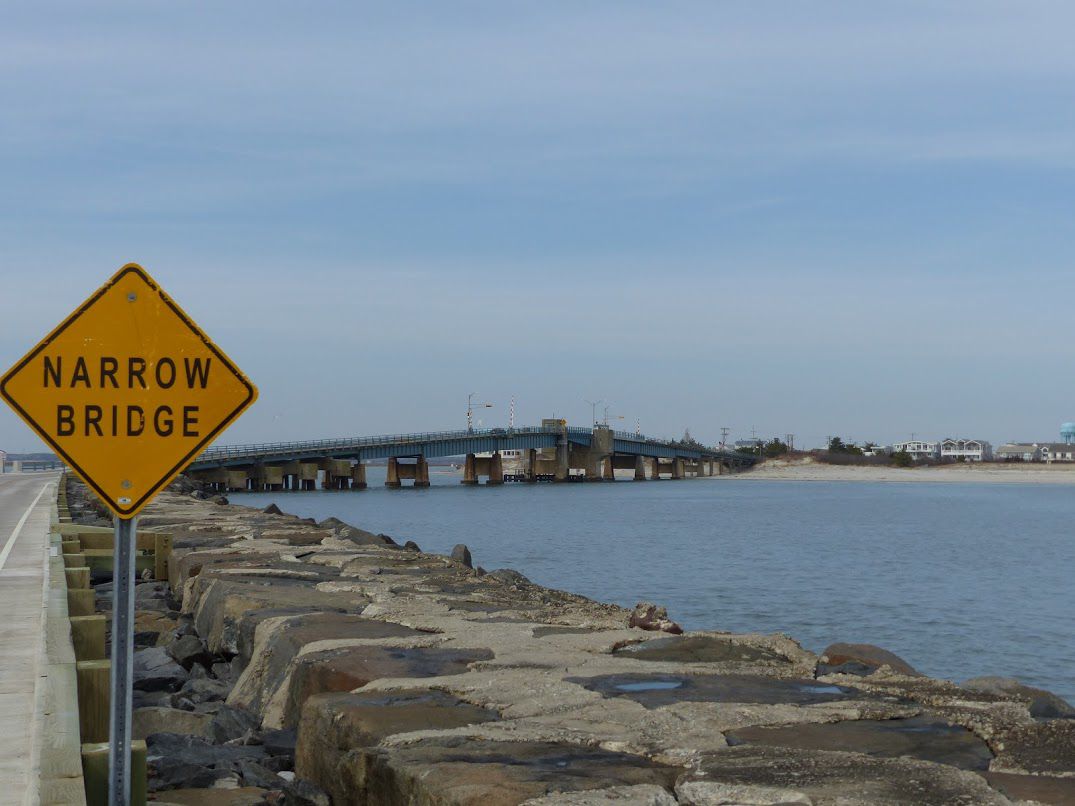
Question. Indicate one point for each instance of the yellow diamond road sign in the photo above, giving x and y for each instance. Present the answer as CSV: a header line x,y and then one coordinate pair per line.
x,y
127,390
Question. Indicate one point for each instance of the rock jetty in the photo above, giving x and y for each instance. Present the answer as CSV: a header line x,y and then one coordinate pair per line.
x,y
290,662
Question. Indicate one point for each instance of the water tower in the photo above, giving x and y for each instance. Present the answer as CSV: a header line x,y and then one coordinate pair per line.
x,y
1067,433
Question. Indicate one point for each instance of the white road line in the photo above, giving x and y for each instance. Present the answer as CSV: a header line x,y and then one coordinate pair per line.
x,y
18,527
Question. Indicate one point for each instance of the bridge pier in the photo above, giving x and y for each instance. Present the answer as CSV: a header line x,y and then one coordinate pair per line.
x,y
470,471
640,469
393,474
496,469
677,468
655,469
532,465
421,472
358,477
608,471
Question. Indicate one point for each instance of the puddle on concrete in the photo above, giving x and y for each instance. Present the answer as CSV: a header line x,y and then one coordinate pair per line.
x,y
654,691
655,685
918,737
699,649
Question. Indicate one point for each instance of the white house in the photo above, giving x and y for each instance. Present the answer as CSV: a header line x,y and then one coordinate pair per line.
x,y
967,450
919,449
1019,452
1057,452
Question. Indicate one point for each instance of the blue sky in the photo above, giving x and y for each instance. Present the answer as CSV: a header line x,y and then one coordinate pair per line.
x,y
825,218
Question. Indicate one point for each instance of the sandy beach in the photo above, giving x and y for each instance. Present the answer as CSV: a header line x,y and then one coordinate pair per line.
x,y
810,470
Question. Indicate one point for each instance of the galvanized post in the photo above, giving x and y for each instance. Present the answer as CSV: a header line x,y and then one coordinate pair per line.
x,y
119,734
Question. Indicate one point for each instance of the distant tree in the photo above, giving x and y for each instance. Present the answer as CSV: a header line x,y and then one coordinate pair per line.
x,y
902,459
837,445
775,447
688,441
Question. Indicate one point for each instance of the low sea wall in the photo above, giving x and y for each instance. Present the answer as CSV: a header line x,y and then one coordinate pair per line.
x,y
285,661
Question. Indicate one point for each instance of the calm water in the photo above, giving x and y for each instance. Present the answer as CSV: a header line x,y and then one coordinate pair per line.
x,y
959,579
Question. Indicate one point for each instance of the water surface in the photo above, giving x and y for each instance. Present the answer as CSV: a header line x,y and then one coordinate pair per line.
x,y
959,579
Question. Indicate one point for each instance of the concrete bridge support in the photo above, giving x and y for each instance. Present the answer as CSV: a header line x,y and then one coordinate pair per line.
x,y
268,478
421,472
300,475
470,470
678,470
640,469
532,465
358,477
608,472
655,469
393,474
337,474
496,469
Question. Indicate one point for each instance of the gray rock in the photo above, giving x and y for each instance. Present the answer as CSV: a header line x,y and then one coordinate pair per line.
x,y
1043,704
188,651
253,774
147,721
154,670
410,545
461,554
176,761
223,671
304,793
272,509
279,742
204,690
231,723
861,659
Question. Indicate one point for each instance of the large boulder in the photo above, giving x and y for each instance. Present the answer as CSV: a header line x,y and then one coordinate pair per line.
x,y
189,650
861,659
334,725
147,721
154,670
461,554
1043,704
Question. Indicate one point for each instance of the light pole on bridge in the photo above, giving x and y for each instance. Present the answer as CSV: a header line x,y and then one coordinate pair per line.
x,y
470,411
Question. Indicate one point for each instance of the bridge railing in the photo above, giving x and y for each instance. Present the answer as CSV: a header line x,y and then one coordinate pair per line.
x,y
226,452
239,451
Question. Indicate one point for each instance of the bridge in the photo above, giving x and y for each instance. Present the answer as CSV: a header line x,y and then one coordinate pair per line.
x,y
551,452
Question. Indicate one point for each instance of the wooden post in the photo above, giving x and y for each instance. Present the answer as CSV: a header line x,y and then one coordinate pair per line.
x,y
95,772
72,546
74,561
162,552
77,578
81,602
93,700
88,637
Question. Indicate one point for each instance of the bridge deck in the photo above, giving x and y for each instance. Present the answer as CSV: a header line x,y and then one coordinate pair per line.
x,y
451,443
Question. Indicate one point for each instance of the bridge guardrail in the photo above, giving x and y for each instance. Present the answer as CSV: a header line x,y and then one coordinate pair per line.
x,y
226,452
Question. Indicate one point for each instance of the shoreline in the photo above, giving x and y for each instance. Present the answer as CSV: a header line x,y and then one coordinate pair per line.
x,y
808,470
319,662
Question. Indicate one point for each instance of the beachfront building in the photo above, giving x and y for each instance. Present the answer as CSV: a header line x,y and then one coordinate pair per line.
x,y
919,449
3,459
966,450
1057,452
1018,452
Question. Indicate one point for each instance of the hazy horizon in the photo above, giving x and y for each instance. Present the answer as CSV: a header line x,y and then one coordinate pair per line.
x,y
832,219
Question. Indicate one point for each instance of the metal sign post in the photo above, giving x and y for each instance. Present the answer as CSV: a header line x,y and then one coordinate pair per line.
x,y
119,733
128,391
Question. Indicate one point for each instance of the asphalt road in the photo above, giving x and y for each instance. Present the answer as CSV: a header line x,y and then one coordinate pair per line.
x,y
25,503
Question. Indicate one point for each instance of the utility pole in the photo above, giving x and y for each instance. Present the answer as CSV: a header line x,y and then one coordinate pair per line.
x,y
470,410
724,431
789,440
593,410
